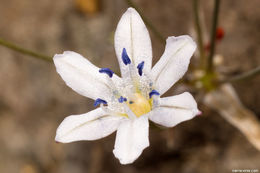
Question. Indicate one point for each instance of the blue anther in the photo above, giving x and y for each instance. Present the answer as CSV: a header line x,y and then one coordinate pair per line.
x,y
125,57
107,71
140,68
122,99
153,92
99,101
131,102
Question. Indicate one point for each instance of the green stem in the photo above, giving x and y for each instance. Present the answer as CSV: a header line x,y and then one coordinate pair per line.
x,y
243,76
24,51
147,22
213,35
199,32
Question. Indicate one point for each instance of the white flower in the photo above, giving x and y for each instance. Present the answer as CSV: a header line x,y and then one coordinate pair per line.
x,y
128,102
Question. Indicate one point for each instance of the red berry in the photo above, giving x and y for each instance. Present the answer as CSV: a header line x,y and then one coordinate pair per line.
x,y
220,33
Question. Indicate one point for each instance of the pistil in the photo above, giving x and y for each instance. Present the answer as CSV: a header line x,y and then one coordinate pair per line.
x,y
139,105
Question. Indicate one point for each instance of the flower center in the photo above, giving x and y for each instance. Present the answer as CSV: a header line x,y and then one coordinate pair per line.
x,y
139,105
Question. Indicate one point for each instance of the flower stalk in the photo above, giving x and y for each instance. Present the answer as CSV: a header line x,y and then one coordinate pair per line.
x,y
199,32
244,76
24,51
213,35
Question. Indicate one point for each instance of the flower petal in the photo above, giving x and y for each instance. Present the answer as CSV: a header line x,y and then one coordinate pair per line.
x,y
89,126
82,76
131,139
132,35
173,63
174,110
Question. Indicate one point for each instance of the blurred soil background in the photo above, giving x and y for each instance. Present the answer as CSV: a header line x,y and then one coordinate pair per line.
x,y
34,99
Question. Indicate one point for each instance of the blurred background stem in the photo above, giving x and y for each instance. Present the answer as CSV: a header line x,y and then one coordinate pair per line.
x,y
160,37
196,3
213,35
24,51
199,32
244,76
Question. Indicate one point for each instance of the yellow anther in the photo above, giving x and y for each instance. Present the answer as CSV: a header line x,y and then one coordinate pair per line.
x,y
139,105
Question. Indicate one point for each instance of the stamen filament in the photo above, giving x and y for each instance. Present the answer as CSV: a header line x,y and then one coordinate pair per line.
x,y
129,112
111,112
132,69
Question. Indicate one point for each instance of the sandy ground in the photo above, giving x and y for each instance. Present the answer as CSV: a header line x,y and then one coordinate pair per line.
x,y
34,99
